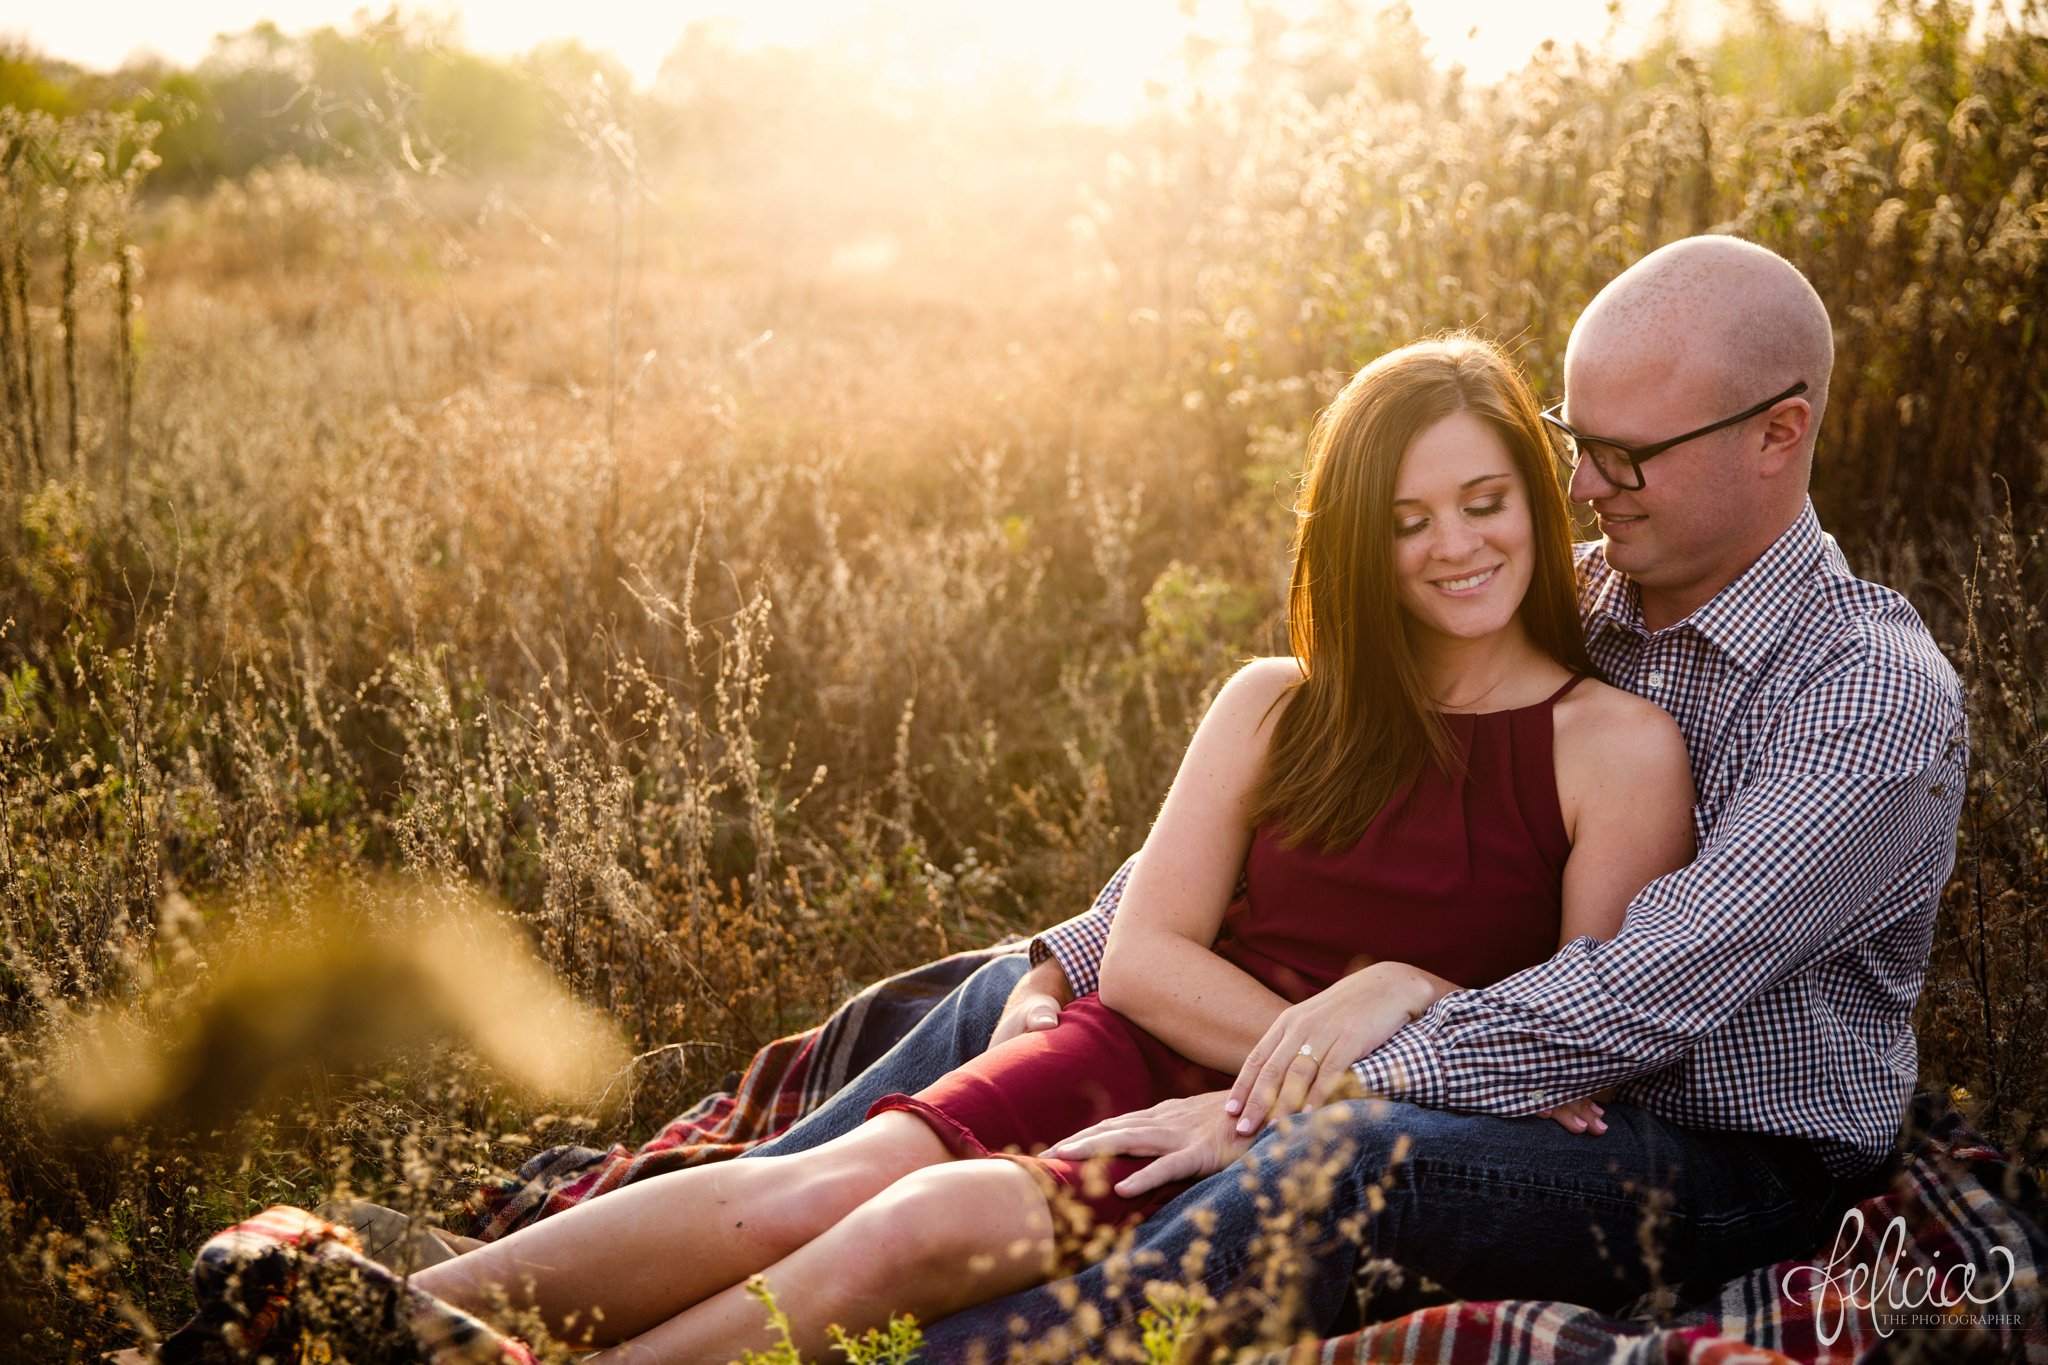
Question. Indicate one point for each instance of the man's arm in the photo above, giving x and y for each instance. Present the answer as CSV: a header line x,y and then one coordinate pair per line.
x,y
1860,796
1859,790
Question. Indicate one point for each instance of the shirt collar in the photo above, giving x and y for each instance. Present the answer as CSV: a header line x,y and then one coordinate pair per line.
x,y
1744,620
1607,598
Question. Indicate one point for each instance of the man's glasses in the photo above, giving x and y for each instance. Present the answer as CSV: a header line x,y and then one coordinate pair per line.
x,y
1621,463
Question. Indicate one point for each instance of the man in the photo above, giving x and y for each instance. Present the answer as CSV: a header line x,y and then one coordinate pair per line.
x,y
1752,1018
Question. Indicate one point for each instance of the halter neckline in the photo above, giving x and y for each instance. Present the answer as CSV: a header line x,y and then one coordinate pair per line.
x,y
1569,683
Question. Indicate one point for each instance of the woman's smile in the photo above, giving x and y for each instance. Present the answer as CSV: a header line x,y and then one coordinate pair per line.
x,y
1468,585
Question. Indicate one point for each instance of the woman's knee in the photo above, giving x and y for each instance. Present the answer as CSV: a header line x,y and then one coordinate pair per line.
x,y
964,1220
808,1192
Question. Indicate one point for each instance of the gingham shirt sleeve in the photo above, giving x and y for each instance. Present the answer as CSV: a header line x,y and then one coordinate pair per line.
x,y
1078,943
1851,801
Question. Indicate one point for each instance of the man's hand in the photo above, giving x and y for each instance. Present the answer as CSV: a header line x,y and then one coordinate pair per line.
x,y
1581,1116
1035,1002
1192,1138
1308,1051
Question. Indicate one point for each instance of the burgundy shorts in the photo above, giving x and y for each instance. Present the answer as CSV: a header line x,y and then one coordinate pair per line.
x,y
1019,1098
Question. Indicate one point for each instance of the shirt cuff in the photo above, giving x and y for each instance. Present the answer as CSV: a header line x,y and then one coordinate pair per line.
x,y
1406,1067
1075,949
1078,943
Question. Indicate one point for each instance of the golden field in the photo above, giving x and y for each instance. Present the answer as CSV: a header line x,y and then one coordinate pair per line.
x,y
753,536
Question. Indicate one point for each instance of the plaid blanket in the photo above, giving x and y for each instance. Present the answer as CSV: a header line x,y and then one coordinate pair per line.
x,y
1947,1264
785,1081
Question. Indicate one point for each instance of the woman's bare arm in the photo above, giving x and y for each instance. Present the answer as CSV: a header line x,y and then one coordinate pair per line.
x,y
1624,784
1160,969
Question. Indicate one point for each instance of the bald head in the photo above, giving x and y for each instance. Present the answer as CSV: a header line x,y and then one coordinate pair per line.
x,y
1687,339
1738,314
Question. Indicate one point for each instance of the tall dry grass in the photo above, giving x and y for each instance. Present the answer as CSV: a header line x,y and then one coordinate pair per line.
x,y
755,565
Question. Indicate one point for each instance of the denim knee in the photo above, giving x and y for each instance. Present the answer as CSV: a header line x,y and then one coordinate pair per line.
x,y
1518,1207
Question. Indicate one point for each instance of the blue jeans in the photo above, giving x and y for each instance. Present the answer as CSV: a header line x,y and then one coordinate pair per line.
x,y
957,1029
1368,1209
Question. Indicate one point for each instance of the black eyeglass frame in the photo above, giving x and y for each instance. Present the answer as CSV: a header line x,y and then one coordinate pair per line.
x,y
1577,444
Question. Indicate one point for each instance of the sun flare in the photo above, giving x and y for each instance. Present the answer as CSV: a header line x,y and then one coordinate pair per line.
x,y
1102,55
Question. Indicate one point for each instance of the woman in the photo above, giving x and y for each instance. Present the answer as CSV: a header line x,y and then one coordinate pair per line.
x,y
1430,794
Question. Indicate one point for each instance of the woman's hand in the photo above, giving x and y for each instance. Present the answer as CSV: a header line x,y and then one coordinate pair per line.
x,y
1035,1002
1309,1049
1192,1137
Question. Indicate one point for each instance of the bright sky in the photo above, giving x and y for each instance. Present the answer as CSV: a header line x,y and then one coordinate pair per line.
x,y
1107,46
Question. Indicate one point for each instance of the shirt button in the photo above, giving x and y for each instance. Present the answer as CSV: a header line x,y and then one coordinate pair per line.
x,y
1656,681
1536,1098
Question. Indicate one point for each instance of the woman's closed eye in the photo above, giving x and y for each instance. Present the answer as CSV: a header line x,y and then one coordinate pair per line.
x,y
1404,529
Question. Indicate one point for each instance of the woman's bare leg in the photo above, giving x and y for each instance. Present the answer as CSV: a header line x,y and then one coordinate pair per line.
x,y
634,1258
942,1239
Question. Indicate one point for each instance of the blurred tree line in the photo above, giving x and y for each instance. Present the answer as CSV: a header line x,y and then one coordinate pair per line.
x,y
1303,189
326,97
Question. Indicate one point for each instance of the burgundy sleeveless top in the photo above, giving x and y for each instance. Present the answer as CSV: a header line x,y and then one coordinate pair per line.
x,y
1461,874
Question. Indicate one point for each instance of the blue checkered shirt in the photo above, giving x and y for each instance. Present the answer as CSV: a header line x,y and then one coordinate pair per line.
x,y
1769,986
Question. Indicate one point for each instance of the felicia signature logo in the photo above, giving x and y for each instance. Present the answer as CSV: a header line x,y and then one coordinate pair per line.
x,y
1886,1287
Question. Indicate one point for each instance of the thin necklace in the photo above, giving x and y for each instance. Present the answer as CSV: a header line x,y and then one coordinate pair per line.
x,y
1474,701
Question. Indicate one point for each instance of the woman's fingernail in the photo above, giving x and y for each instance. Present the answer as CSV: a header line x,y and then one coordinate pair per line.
x,y
1598,1110
1243,1126
1231,1106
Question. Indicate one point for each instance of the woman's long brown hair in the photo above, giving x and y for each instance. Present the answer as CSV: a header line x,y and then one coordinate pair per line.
x,y
1361,721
